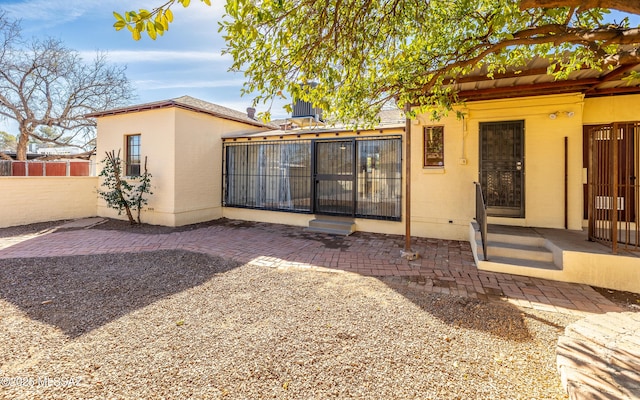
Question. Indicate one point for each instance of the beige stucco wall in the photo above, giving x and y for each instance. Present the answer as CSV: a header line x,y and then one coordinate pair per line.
x,y
271,217
604,110
198,165
441,202
443,199
26,200
184,155
157,143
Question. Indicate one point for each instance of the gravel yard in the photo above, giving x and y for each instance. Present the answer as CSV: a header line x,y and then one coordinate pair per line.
x,y
176,324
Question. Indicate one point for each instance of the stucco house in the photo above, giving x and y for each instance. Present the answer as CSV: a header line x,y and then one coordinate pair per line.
x,y
181,139
542,163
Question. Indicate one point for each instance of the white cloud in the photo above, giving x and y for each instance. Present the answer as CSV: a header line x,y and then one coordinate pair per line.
x,y
57,12
52,11
160,56
163,85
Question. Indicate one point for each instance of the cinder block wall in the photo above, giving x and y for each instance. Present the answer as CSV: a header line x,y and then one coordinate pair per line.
x,y
26,200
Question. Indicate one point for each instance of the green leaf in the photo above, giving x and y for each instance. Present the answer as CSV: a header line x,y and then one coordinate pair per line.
x,y
151,30
119,25
366,55
118,16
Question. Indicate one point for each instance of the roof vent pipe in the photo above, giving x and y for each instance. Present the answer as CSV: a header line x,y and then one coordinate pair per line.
x,y
251,112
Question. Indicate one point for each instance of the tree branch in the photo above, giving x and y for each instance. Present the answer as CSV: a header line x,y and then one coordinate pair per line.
x,y
628,6
548,34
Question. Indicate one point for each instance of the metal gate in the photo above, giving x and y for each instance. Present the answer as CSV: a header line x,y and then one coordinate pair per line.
x,y
612,184
334,177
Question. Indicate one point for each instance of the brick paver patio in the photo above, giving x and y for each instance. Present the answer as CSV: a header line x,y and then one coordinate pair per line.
x,y
445,266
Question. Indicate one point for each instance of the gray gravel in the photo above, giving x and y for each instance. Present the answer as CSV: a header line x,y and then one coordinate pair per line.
x,y
175,324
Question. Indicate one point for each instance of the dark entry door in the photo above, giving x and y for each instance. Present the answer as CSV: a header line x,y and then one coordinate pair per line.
x,y
502,167
334,177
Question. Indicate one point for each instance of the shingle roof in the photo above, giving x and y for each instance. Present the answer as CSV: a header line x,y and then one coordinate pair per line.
x,y
188,103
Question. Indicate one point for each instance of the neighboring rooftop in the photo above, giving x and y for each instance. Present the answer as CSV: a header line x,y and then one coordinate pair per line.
x,y
388,119
191,104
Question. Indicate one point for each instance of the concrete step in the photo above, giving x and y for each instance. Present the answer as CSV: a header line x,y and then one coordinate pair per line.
x,y
332,226
521,263
515,250
516,239
598,357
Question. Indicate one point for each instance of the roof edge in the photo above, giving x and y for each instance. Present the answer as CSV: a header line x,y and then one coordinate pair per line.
x,y
171,103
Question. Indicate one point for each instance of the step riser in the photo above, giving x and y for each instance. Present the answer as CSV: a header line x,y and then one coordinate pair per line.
x,y
337,232
542,255
519,266
514,239
330,225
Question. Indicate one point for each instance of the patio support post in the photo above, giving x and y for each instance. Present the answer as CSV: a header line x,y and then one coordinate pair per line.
x,y
566,182
613,167
407,252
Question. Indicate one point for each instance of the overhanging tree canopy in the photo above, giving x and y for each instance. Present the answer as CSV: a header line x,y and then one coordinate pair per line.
x,y
364,54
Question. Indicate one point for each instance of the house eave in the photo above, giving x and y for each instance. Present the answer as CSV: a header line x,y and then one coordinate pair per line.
x,y
534,80
174,104
306,132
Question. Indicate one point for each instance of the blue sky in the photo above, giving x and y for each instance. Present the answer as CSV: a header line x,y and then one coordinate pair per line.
x,y
187,60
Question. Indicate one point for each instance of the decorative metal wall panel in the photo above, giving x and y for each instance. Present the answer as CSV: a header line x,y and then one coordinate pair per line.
x,y
268,175
379,178
359,177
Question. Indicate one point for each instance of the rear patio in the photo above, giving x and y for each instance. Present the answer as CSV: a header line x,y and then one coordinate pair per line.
x,y
444,266
228,308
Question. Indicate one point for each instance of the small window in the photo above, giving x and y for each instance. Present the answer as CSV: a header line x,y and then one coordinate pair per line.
x,y
434,146
133,155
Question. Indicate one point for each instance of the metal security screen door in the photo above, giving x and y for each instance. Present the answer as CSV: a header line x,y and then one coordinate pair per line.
x,y
613,190
502,167
334,177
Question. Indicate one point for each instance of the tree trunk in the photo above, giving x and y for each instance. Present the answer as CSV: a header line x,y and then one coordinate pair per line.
x,y
23,144
116,171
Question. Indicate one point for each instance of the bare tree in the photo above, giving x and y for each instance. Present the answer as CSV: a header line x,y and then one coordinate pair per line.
x,y
45,84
